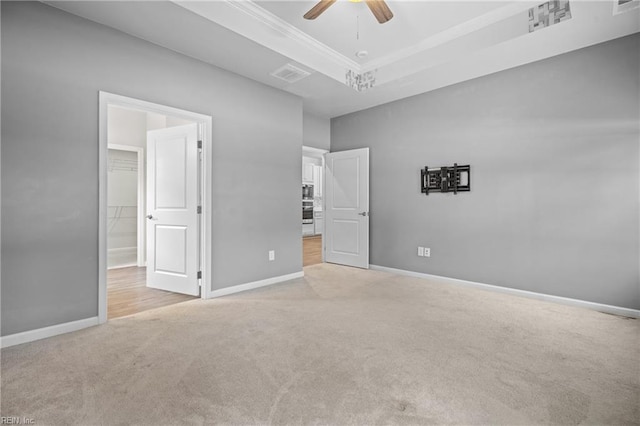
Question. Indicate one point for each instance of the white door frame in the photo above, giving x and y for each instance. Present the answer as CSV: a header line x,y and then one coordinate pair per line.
x,y
205,130
140,223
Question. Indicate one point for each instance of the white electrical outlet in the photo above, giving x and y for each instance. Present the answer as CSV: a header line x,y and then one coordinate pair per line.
x,y
427,252
272,255
420,251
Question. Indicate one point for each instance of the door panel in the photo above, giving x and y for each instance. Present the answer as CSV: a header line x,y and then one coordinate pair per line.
x,y
170,173
345,236
172,200
347,207
171,249
345,172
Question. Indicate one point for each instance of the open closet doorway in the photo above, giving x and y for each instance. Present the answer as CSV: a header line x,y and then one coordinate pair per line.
x,y
152,250
312,205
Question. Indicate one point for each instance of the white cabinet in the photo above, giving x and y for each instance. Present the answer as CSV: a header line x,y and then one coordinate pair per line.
x,y
308,165
317,181
318,222
307,229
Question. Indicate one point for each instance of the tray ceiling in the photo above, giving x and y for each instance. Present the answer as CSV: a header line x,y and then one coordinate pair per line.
x,y
427,45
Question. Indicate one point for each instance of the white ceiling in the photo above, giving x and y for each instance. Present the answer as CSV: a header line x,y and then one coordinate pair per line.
x,y
426,46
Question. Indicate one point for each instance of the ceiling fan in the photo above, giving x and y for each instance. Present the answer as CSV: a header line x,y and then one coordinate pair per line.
x,y
378,7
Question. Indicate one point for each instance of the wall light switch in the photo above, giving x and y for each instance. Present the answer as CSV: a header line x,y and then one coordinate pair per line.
x,y
272,255
420,251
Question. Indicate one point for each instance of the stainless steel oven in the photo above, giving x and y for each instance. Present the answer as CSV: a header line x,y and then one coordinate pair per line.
x,y
307,192
307,211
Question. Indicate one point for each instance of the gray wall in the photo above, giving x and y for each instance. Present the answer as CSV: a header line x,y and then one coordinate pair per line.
x,y
317,131
554,153
53,65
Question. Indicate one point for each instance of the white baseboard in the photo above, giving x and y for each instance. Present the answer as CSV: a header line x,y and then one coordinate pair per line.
x,y
255,284
130,249
610,309
124,265
122,257
42,333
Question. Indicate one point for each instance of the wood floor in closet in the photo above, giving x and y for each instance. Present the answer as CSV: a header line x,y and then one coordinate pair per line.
x,y
128,294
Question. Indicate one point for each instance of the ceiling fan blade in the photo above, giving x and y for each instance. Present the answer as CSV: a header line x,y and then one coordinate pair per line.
x,y
316,10
380,10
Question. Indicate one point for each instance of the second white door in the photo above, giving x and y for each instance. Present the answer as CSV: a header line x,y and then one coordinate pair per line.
x,y
172,209
346,196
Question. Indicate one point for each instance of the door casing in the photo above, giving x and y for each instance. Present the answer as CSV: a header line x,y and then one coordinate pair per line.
x,y
205,134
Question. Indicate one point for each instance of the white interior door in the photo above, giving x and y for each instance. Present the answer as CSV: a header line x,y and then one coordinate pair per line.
x,y
172,209
346,195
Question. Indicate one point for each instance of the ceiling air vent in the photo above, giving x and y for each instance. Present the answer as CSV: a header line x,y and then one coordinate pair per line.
x,y
290,73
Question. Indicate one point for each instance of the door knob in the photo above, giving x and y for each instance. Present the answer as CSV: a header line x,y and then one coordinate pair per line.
x,y
149,216
363,214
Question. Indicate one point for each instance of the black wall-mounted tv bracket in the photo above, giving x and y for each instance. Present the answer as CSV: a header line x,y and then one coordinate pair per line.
x,y
446,179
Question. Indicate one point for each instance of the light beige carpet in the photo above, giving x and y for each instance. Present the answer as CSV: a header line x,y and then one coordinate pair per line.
x,y
341,346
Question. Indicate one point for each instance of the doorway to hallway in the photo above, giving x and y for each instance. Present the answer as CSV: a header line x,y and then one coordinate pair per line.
x,y
312,205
